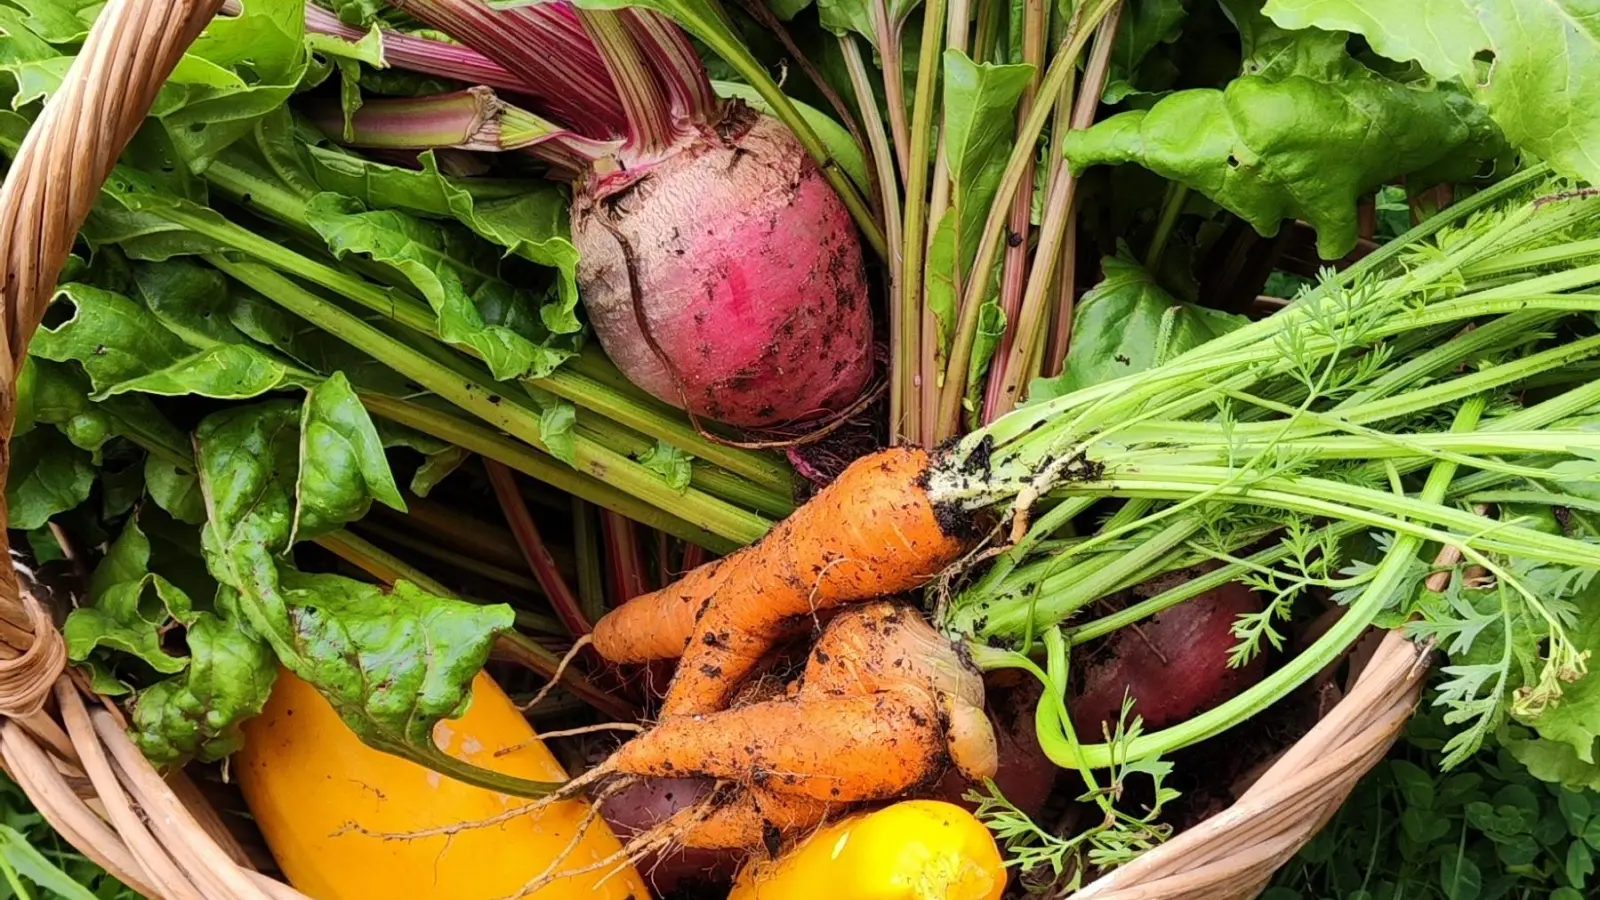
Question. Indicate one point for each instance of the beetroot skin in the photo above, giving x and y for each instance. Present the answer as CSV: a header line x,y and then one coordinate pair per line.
x,y
1176,668
749,277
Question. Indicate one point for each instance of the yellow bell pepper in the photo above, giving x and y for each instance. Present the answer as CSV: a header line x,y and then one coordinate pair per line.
x,y
914,850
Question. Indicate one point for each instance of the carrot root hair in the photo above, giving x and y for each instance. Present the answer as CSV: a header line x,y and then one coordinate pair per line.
x,y
567,791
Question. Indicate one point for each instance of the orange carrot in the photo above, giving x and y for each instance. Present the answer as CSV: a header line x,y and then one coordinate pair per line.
x,y
885,704
841,748
749,817
871,533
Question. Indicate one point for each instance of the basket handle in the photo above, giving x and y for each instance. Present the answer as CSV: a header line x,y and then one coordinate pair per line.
x,y
54,180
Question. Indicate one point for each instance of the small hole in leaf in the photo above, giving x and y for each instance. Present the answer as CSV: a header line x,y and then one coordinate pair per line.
x,y
197,127
1233,161
59,313
1484,61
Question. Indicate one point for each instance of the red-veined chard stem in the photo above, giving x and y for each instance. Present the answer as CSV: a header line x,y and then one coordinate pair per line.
x,y
664,575
1015,269
417,54
894,82
1058,209
883,157
672,58
625,557
562,600
1065,295
649,118
545,48
473,119
694,556
954,387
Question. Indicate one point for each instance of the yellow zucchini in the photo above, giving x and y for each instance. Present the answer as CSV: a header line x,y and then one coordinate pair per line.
x,y
308,779
913,850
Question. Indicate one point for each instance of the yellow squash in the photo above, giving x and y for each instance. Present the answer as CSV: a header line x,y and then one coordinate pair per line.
x,y
308,779
914,850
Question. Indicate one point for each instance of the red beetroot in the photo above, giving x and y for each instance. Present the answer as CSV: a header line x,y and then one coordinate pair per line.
x,y
1175,665
1025,775
645,804
748,276
720,270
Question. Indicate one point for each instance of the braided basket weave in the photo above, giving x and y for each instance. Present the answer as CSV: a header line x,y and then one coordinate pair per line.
x,y
69,750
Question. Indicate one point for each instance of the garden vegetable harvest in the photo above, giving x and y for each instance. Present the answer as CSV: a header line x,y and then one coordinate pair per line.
x,y
325,802
1418,400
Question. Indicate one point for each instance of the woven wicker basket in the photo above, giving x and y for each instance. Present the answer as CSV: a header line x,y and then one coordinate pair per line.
x,y
69,750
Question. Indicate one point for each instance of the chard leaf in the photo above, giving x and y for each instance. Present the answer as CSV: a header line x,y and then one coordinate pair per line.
x,y
312,347
450,270
175,490
38,79
439,458
143,235
979,122
1146,24
43,546
18,41
113,337
359,13
25,410
392,664
843,17
342,466
196,715
129,606
126,347
60,397
528,218
556,421
991,328
368,49
48,475
1533,66
1305,134
225,372
267,38
103,681
191,300
121,487
672,464
1128,323
59,21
